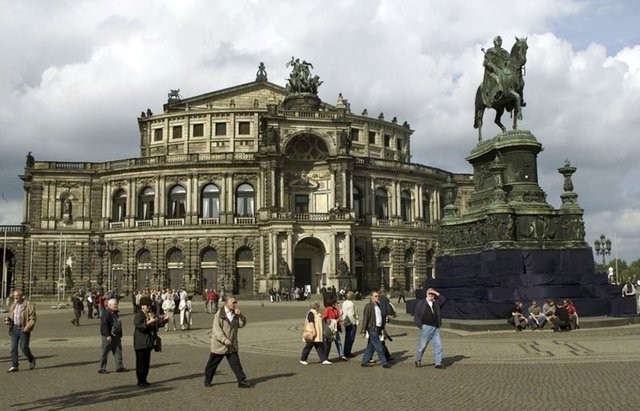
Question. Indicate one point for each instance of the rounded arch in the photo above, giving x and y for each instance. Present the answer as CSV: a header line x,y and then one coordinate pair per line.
x,y
208,269
307,146
242,281
119,205
245,199
384,267
176,202
210,201
309,264
175,268
143,277
409,270
7,259
146,203
381,203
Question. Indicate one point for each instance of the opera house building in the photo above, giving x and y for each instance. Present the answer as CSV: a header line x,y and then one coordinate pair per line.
x,y
248,188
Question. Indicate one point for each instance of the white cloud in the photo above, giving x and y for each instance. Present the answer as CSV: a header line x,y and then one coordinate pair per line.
x,y
77,74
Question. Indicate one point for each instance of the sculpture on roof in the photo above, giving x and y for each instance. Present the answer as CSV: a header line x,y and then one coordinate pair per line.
x,y
174,95
300,80
261,75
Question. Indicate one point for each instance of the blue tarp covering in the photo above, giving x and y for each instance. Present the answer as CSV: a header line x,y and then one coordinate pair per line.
x,y
485,285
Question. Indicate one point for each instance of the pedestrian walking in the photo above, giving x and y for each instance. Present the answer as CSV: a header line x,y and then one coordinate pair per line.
x,y
224,342
21,321
111,332
428,317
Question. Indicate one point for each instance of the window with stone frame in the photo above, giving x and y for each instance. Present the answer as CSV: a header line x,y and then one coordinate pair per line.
x,y
355,134
245,200
157,134
387,140
221,129
210,207
146,201
177,202
176,132
244,128
198,130
372,137
405,205
382,204
119,206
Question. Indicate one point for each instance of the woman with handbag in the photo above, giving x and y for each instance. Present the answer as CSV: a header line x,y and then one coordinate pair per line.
x,y
145,332
313,335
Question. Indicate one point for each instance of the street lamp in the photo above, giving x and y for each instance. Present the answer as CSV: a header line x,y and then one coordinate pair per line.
x,y
603,247
101,247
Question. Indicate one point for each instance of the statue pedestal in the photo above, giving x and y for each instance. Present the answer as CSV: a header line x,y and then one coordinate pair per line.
x,y
301,102
511,244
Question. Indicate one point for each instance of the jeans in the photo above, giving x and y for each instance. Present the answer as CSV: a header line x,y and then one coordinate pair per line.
x,y
115,346
19,337
374,344
542,320
429,333
350,332
339,346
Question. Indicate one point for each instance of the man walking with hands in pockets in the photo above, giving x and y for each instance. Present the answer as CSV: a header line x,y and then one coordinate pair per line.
x,y
224,342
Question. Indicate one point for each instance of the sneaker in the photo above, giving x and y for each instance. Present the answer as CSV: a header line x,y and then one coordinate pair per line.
x,y
386,365
122,369
32,364
326,362
441,366
304,362
418,364
343,358
13,369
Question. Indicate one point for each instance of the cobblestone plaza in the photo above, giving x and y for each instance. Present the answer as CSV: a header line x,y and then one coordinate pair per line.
x,y
591,368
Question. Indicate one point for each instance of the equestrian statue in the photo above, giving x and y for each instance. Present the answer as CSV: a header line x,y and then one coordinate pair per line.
x,y
503,83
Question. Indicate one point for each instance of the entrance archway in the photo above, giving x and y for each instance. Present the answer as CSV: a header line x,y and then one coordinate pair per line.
x,y
243,276
175,269
308,262
7,270
208,269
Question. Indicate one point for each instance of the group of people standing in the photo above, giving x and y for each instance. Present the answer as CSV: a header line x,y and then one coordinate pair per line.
x,y
93,302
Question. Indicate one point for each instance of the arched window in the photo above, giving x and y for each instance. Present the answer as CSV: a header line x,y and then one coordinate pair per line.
x,y
176,202
119,206
405,205
146,201
382,204
210,203
357,203
426,211
245,200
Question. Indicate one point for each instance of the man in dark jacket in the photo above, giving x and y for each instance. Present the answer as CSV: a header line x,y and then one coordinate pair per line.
x,y
78,308
111,332
428,317
373,321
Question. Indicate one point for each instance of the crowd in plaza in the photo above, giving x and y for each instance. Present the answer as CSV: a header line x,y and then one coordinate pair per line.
x,y
337,323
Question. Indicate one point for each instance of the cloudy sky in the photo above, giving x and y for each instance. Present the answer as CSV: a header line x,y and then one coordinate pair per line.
x,y
74,75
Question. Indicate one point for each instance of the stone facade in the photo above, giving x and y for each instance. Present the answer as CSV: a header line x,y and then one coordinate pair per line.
x,y
227,187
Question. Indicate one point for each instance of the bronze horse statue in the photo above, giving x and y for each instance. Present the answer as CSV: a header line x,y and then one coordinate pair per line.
x,y
507,93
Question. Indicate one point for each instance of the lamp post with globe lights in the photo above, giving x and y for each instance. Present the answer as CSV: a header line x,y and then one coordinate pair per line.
x,y
603,247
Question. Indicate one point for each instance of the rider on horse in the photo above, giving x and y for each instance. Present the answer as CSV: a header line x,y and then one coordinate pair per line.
x,y
495,62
